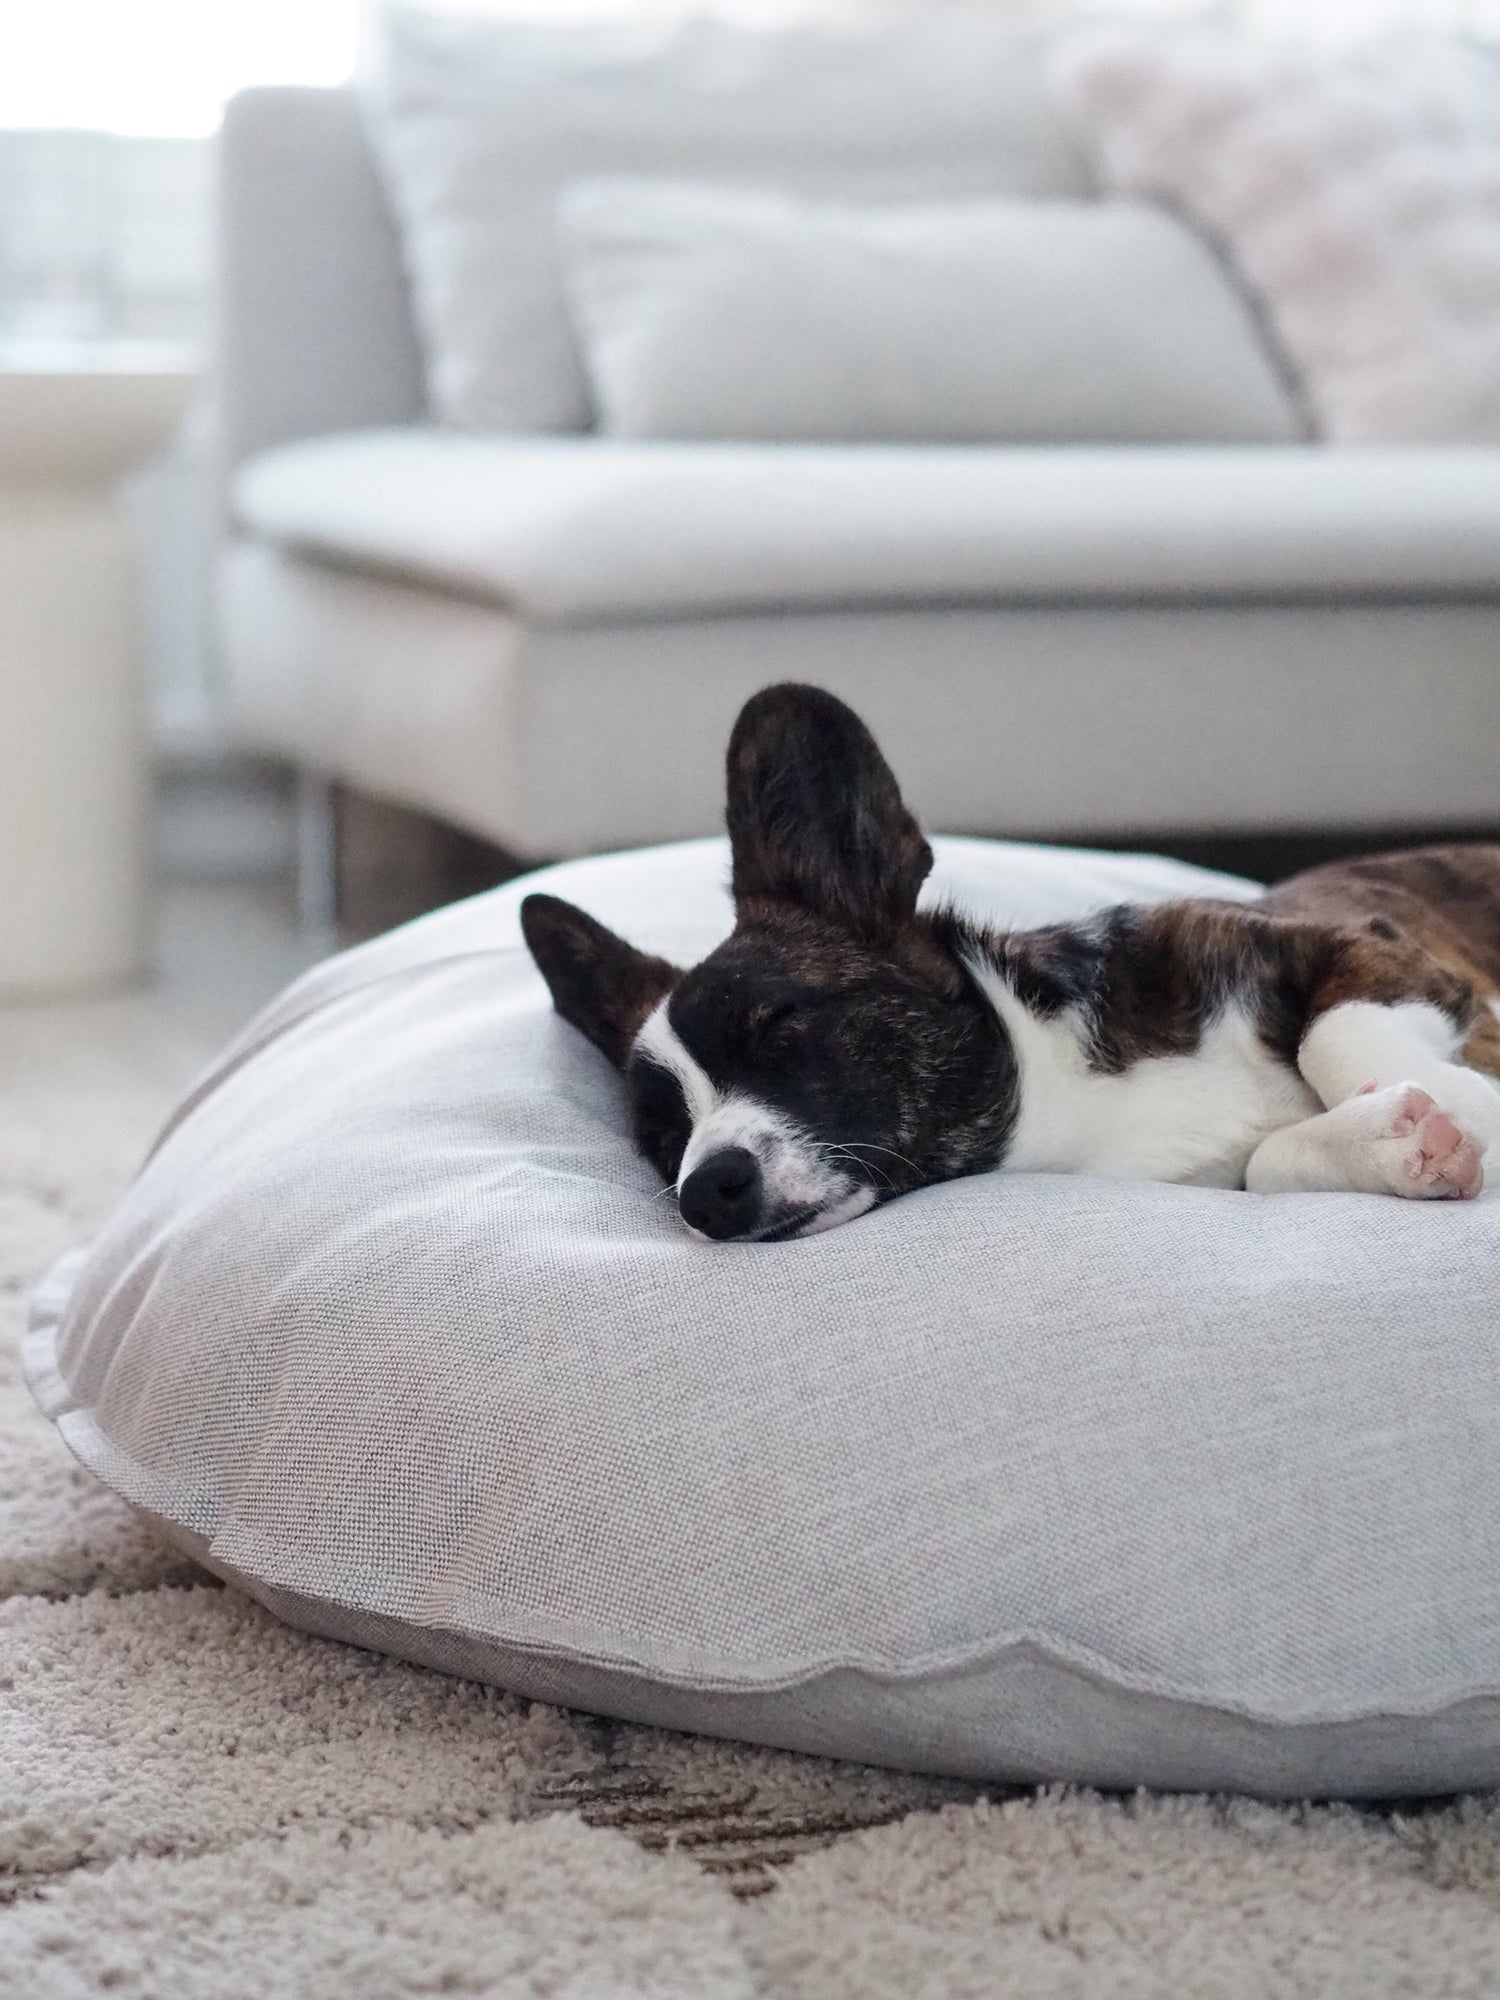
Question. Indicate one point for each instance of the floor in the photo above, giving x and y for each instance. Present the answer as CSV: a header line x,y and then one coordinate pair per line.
x,y
222,949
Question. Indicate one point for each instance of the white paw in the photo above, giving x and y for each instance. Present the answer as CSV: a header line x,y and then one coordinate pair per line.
x,y
1405,1143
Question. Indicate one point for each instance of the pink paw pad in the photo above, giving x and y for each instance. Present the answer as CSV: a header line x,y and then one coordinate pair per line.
x,y
1437,1156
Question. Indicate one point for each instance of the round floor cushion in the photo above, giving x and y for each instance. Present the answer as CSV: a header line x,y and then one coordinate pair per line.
x,y
1019,1477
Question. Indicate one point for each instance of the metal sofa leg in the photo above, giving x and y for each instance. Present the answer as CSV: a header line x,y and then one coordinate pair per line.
x,y
317,856
392,863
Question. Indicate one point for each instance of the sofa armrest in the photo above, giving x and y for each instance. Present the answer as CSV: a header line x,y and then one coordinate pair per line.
x,y
313,325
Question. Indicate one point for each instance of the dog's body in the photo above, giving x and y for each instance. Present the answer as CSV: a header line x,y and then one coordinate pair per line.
x,y
842,1047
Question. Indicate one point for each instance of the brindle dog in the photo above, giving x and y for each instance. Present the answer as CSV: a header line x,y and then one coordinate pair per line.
x,y
843,1046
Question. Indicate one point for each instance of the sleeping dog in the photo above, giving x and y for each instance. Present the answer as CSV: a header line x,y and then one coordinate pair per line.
x,y
842,1046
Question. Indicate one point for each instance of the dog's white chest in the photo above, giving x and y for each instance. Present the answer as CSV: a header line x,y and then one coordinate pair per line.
x,y
1195,1118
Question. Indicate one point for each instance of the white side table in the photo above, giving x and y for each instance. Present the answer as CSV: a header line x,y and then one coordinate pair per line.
x,y
73,765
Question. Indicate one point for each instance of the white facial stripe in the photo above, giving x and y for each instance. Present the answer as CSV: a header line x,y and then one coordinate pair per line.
x,y
659,1040
796,1170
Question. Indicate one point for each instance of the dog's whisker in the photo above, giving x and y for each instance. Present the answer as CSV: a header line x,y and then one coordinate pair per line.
x,y
869,1146
856,1146
837,1151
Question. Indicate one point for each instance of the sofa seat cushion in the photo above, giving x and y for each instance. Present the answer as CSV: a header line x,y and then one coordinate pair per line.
x,y
573,530
1023,1476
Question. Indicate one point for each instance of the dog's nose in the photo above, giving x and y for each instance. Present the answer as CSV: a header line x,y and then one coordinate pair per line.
x,y
721,1196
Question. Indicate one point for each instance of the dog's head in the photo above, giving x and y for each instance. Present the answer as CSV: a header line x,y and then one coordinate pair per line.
x,y
834,1051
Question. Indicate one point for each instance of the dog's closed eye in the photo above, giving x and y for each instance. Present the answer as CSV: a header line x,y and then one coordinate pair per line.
x,y
770,1021
662,1123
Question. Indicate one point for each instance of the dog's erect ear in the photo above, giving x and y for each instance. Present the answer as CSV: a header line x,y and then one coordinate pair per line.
x,y
601,985
815,815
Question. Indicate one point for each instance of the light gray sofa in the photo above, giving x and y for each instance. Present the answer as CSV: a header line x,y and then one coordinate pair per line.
x,y
544,640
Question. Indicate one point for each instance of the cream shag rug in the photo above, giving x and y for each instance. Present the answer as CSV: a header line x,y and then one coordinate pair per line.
x,y
195,1801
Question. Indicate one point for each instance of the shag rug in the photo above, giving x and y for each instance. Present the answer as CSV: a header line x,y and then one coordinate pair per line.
x,y
195,1801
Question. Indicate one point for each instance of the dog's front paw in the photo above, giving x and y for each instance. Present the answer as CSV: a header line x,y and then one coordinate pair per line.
x,y
1413,1147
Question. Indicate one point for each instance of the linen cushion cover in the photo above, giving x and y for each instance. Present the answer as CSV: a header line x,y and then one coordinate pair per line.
x,y
480,124
713,313
1358,194
1020,1477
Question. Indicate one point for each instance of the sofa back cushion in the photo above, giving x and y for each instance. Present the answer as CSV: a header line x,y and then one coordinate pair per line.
x,y
714,313
479,125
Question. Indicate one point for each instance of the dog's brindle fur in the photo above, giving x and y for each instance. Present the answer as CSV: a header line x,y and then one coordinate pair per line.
x,y
846,1047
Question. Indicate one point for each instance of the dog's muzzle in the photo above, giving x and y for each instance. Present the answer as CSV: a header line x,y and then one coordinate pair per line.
x,y
724,1195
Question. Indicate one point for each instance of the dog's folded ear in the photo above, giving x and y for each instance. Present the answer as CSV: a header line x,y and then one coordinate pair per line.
x,y
815,815
600,984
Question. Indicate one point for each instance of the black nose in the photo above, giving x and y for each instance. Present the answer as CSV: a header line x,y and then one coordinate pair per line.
x,y
721,1196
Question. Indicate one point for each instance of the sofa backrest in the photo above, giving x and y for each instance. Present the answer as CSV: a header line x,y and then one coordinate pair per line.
x,y
481,125
314,330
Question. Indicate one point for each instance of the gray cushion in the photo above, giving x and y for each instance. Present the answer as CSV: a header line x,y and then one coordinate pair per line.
x,y
577,530
1020,1477
479,124
711,313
